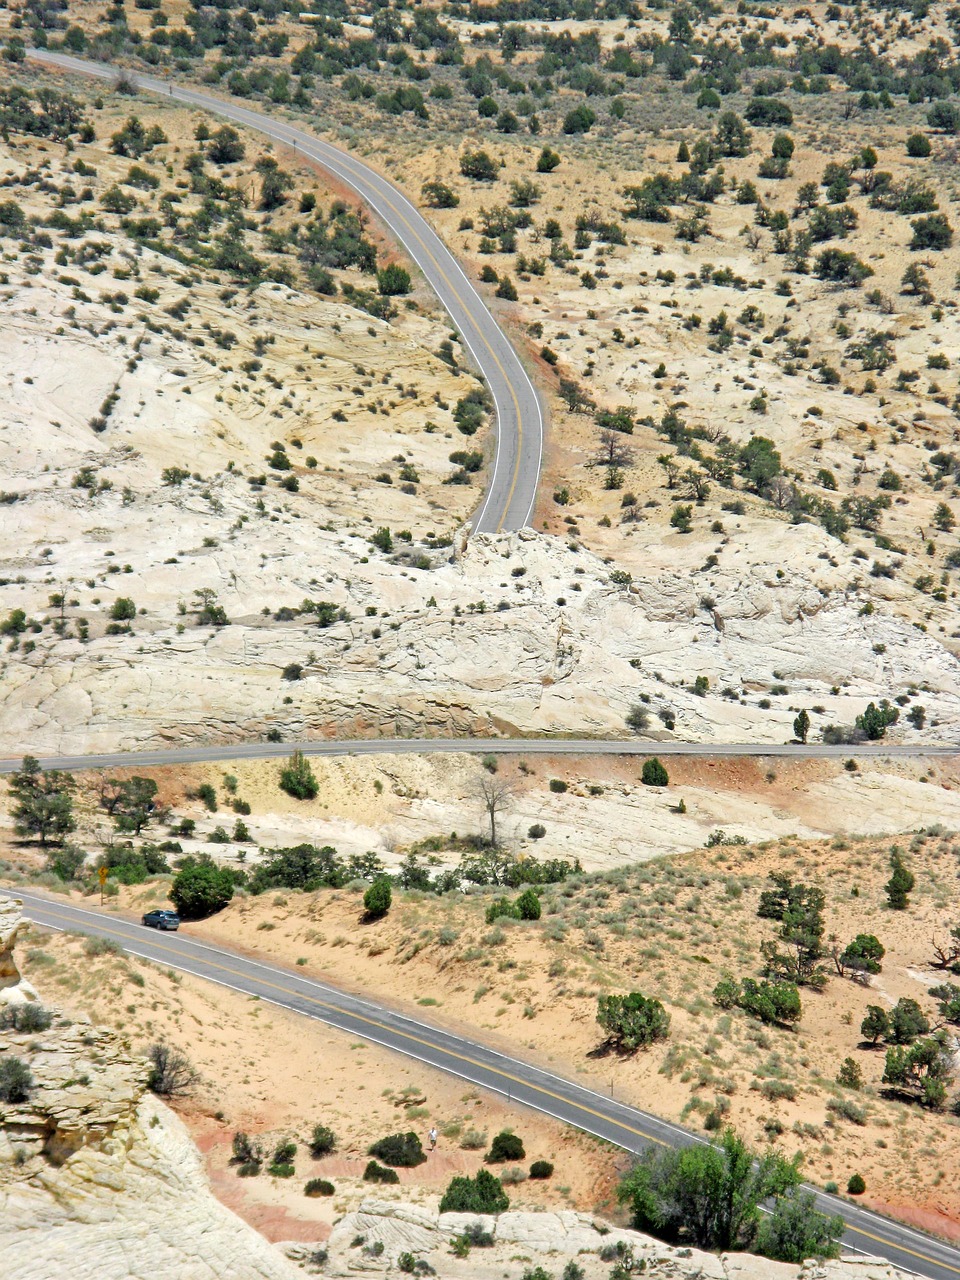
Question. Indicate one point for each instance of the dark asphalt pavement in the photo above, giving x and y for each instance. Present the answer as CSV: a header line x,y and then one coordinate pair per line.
x,y
531,1086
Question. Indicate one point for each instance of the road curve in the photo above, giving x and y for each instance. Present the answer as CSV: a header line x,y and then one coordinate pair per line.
x,y
201,754
512,486
527,1085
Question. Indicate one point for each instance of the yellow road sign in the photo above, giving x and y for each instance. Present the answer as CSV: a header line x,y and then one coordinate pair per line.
x,y
102,873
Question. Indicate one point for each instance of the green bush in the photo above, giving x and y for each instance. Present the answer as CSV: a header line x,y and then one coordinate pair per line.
x,y
393,281
16,1080
504,1147
298,779
558,785
856,1185
541,1169
633,1020
201,889
401,1150
318,1187
322,1141
654,774
377,1173
796,1230
378,898
123,609
482,1194
501,909
528,905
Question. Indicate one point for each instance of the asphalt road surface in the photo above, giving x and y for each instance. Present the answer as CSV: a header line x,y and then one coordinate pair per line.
x,y
529,1086
512,487
201,754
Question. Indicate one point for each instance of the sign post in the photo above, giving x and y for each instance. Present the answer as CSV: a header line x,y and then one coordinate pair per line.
x,y
102,873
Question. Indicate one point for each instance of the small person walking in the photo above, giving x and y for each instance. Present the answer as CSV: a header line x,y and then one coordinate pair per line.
x,y
433,1139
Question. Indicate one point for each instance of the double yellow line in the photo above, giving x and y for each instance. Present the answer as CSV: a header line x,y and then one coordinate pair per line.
x,y
373,1023
478,333
351,164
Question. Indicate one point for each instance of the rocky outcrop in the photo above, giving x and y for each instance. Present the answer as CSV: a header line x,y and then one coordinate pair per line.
x,y
373,1238
520,632
13,989
99,1179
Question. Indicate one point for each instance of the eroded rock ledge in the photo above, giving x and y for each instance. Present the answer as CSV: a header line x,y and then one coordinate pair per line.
x,y
98,1179
373,1238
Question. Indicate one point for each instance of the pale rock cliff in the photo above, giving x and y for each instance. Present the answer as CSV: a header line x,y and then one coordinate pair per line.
x,y
99,1180
372,1239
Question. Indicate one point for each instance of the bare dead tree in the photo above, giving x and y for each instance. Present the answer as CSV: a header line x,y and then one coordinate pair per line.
x,y
946,954
495,792
612,451
172,1074
781,492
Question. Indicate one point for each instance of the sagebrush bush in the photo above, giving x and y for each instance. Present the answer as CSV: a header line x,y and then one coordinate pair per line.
x,y
322,1141
318,1187
26,1018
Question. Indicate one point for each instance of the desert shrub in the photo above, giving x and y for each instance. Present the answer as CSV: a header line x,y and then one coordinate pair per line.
x,y
322,1141
847,1109
377,1173
318,1187
16,1080
501,909
633,1020
298,779
638,718
378,898
856,1185
171,1072
25,1018
541,1169
482,1194
778,1090
654,774
401,1150
505,1146
528,905
248,1154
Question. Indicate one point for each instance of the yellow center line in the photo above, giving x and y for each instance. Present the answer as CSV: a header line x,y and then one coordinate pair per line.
x,y
473,1062
347,160
382,1026
476,330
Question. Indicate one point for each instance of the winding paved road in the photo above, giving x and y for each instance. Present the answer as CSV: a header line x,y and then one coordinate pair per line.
x,y
512,486
200,754
527,1085
507,505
